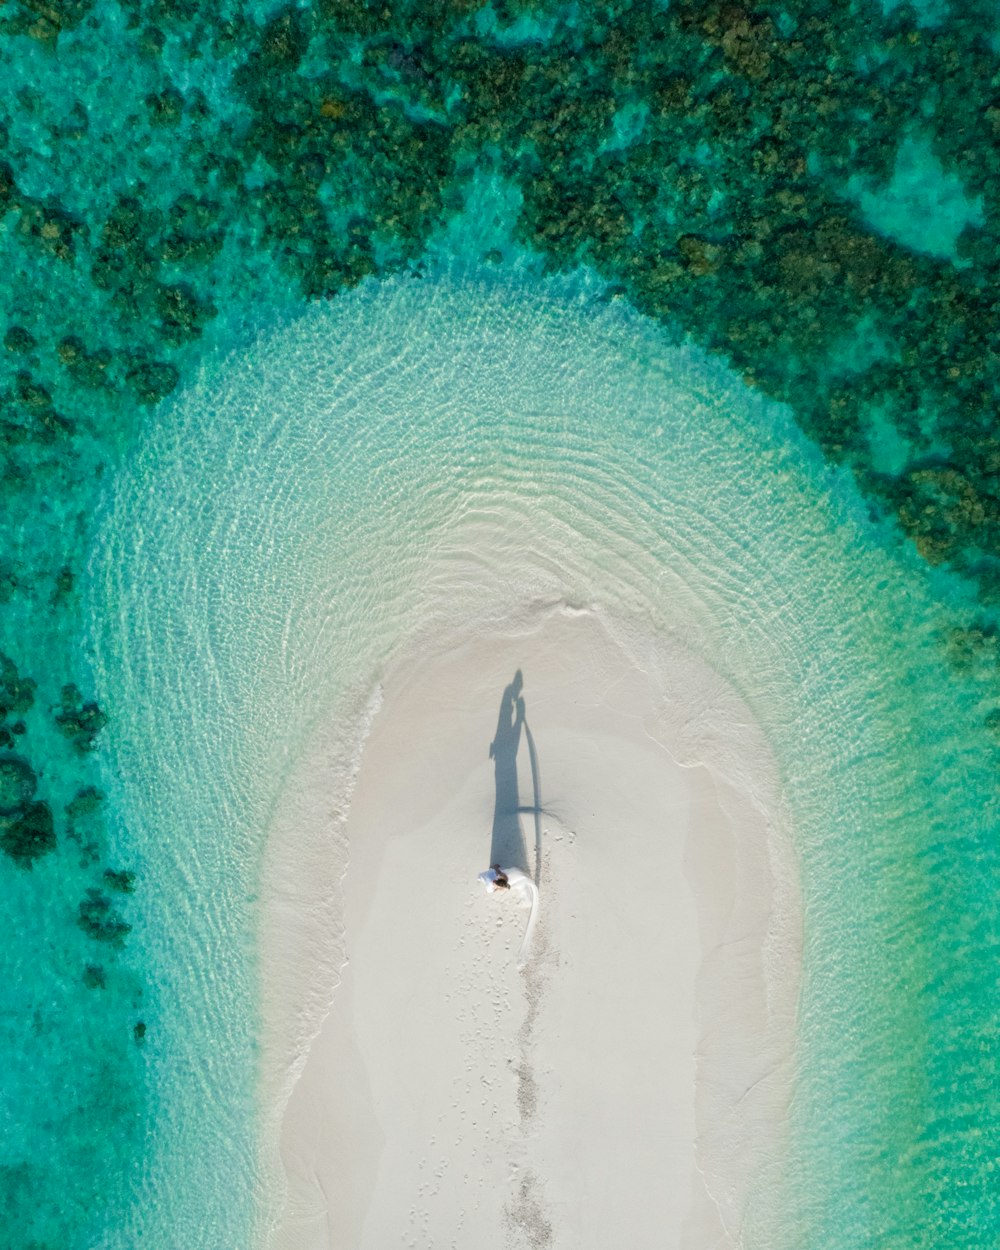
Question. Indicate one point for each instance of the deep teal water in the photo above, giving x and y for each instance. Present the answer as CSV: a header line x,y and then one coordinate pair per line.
x,y
232,244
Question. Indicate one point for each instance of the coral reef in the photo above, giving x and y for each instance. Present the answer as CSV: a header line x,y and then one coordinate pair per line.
x,y
17,694
79,721
121,881
29,834
99,920
17,784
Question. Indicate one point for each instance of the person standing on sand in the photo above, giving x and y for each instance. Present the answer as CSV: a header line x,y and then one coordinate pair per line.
x,y
521,888
494,879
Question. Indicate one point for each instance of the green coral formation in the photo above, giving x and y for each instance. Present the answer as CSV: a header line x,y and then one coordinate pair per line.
x,y
27,831
119,880
17,694
17,784
45,20
94,977
79,721
29,834
99,920
85,825
85,828
49,747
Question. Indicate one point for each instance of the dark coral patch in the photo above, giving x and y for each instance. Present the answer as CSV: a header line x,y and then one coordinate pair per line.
x,y
17,784
94,977
79,721
29,835
17,693
121,881
100,921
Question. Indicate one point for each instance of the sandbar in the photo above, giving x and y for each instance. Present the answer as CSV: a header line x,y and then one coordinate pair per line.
x,y
630,1084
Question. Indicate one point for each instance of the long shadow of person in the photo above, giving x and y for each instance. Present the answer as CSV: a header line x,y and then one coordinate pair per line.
x,y
507,844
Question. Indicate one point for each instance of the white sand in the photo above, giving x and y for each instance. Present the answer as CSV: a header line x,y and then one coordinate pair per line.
x,y
629,1086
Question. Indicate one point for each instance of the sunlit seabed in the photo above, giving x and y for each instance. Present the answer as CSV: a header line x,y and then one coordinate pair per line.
x,y
303,512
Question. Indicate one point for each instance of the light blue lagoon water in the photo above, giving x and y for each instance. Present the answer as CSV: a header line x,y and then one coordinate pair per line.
x,y
327,332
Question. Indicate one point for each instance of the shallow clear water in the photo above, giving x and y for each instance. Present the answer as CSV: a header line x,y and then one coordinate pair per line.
x,y
226,573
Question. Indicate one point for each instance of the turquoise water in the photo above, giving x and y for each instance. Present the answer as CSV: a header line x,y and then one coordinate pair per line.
x,y
284,345
922,205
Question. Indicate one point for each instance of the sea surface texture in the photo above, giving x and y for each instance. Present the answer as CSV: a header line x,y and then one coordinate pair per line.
x,y
683,313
